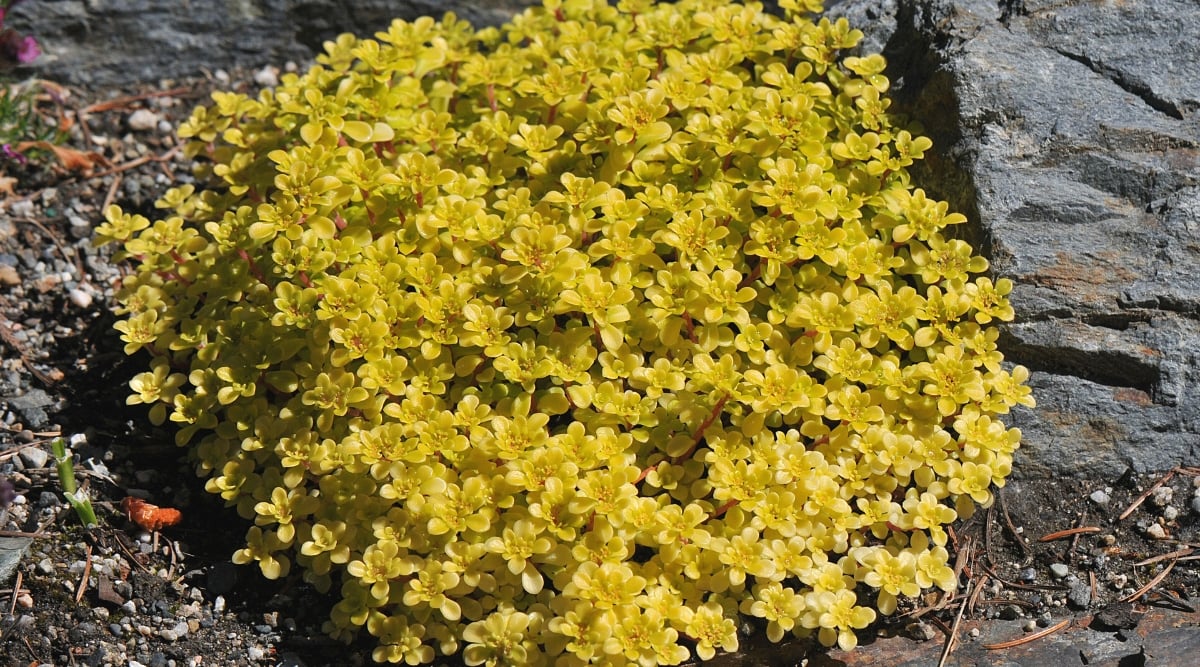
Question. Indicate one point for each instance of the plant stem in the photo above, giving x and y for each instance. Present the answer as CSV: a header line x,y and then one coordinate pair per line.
x,y
79,500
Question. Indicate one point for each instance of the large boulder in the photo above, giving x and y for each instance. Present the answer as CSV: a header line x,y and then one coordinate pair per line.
x,y
1067,132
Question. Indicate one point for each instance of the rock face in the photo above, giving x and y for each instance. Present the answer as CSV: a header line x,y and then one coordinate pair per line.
x,y
1069,133
104,42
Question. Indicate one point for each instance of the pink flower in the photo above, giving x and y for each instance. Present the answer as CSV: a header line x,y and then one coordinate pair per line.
x,y
16,48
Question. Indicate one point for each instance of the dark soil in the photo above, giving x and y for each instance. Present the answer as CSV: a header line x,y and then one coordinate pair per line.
x,y
115,595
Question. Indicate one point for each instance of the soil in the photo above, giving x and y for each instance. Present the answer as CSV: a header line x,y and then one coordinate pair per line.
x,y
1123,585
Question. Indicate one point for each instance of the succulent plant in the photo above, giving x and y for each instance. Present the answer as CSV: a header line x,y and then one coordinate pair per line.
x,y
572,341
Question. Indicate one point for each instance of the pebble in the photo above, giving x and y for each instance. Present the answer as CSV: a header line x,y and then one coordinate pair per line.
x,y
255,653
116,630
1170,513
219,604
9,276
1099,497
25,600
1080,596
1059,570
142,120
1156,531
34,457
1196,504
22,208
1028,574
921,632
46,566
80,298
1162,496
1029,626
267,77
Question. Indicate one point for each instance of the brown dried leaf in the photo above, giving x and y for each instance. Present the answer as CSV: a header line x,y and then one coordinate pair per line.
x,y
69,158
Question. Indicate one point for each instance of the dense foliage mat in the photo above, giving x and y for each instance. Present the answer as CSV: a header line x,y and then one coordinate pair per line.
x,y
572,341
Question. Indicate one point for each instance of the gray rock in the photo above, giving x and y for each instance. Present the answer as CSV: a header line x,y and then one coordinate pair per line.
x,y
34,457
12,549
1059,570
105,43
31,406
1079,596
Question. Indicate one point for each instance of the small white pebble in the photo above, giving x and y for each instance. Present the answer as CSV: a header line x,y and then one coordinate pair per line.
x,y
974,633
143,119
1170,513
80,298
267,77
1162,496
1196,504
165,127
1099,497
1030,625
219,604
22,208
255,653
1156,531
221,75
1059,570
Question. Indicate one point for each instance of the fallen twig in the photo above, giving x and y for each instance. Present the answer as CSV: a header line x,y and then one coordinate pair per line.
x,y
111,195
1150,584
21,533
1029,638
87,572
8,337
1012,529
1060,534
12,607
109,105
1174,554
952,637
137,162
1146,494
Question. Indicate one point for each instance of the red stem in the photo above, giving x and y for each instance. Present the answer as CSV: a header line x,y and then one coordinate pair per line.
x,y
712,416
724,508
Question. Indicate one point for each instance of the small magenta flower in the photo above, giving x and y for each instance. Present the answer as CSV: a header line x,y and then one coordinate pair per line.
x,y
15,48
